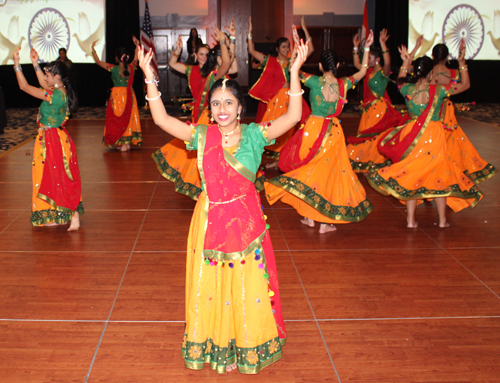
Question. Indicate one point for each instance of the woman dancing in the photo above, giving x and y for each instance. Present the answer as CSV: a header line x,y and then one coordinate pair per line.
x,y
319,181
192,44
233,310
378,112
57,197
173,161
458,145
273,85
421,165
123,127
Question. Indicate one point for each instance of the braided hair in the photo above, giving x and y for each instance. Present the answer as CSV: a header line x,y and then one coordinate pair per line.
x,y
59,68
121,55
439,53
329,61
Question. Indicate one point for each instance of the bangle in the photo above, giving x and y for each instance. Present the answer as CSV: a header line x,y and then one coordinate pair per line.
x,y
249,36
154,98
232,37
93,51
365,65
18,68
366,49
464,68
154,80
403,69
354,53
37,67
296,94
386,51
222,42
355,48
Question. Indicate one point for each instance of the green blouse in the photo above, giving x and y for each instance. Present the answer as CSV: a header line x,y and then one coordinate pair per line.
x,y
53,110
415,110
378,82
320,107
117,78
249,149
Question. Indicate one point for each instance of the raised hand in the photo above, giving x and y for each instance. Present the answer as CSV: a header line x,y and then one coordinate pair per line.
x,y
231,29
356,40
92,46
383,37
420,39
403,52
179,43
461,51
136,42
34,56
250,25
145,61
15,56
369,39
219,35
295,35
301,58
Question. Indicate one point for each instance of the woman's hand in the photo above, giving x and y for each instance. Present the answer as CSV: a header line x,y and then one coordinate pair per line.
x,y
179,44
15,56
219,35
461,51
92,46
383,37
355,40
302,50
231,29
250,25
34,56
405,56
369,39
136,42
144,62
295,34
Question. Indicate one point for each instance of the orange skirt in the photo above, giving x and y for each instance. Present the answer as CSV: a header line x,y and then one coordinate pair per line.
x,y
365,156
133,134
461,150
326,189
427,172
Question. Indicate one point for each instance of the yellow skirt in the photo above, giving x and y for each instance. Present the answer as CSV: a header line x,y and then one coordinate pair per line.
x,y
427,172
229,316
326,189
132,134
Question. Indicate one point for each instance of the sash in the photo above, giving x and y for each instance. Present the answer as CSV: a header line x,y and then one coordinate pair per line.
x,y
396,149
270,81
60,186
199,87
116,125
290,154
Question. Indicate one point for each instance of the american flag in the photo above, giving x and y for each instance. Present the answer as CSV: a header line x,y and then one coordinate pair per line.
x,y
147,38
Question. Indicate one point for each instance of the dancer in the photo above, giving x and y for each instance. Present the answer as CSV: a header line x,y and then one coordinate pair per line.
x,y
233,310
378,112
421,165
319,181
458,144
123,127
192,44
173,161
56,197
274,83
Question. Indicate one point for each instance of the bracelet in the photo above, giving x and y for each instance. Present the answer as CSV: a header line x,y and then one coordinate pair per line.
x,y
18,68
355,48
464,68
366,49
386,51
222,42
93,51
403,69
354,53
365,65
232,37
295,94
154,98
249,36
37,67
154,80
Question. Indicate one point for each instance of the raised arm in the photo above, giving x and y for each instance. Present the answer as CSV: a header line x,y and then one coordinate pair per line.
x,y
21,80
407,63
232,47
224,53
38,71
168,123
383,37
464,83
364,66
294,112
355,51
417,45
135,61
179,67
251,49
102,64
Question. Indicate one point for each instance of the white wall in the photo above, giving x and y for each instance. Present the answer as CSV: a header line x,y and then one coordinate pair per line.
x,y
181,7
318,7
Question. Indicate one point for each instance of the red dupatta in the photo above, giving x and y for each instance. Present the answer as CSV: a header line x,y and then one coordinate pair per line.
x,y
116,125
290,154
396,148
270,81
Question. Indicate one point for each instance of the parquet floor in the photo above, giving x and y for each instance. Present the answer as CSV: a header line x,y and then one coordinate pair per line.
x,y
372,302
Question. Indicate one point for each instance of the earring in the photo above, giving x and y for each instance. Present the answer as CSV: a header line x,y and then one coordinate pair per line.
x,y
238,118
212,119
56,86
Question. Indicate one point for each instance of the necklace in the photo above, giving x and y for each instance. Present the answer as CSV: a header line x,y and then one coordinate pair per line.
x,y
226,135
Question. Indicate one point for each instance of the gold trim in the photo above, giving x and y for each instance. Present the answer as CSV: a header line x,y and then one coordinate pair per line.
x,y
254,85
221,256
238,166
51,202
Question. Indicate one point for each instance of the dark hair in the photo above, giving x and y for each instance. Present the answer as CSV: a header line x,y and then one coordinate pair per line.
x,y
280,41
329,61
122,56
377,53
235,89
421,68
63,49
439,53
211,63
193,40
59,68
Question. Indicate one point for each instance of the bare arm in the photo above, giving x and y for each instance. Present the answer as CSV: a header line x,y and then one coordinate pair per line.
x,y
308,37
38,71
224,53
383,37
355,51
251,49
179,67
364,66
232,47
464,83
407,62
168,123
417,46
102,64
23,84
287,121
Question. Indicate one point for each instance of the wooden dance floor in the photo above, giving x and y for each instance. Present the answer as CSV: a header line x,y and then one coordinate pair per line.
x,y
372,302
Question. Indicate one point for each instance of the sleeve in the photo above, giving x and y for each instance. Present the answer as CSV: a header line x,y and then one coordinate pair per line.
x,y
193,144
307,78
48,96
350,81
446,90
405,89
258,132
263,63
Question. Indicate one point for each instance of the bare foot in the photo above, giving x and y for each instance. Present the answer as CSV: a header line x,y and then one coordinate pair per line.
x,y
52,224
307,221
326,228
412,225
231,367
444,225
74,225
272,165
125,147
